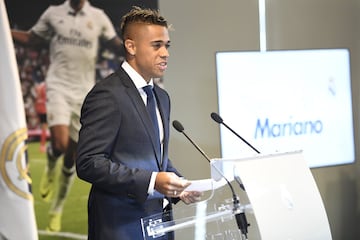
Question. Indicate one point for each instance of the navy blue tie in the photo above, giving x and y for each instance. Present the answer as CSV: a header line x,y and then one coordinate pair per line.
x,y
151,107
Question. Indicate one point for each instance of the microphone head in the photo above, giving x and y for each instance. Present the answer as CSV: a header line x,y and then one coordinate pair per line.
x,y
178,126
216,117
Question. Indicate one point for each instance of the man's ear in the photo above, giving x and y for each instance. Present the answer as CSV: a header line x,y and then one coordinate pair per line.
x,y
130,46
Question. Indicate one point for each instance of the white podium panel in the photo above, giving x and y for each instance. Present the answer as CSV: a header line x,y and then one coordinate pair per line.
x,y
283,195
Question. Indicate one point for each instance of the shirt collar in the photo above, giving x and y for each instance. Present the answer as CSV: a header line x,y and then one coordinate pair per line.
x,y
137,79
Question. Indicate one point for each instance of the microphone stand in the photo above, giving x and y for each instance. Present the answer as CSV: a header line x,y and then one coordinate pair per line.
x,y
241,218
239,213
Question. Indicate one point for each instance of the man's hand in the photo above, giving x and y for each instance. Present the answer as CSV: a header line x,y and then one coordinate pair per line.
x,y
190,196
169,184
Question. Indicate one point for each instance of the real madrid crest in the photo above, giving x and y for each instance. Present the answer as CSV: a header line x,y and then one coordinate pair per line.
x,y
13,164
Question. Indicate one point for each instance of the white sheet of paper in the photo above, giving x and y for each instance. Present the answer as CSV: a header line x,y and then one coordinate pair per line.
x,y
205,185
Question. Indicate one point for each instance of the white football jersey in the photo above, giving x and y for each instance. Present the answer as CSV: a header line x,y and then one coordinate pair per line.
x,y
74,41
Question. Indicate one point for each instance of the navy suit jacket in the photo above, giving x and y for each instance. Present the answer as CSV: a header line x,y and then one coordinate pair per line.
x,y
116,154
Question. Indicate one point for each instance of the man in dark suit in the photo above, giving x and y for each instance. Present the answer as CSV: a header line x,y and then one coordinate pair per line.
x,y
120,152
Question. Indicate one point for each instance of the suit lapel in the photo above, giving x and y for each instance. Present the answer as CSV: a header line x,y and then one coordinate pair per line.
x,y
140,107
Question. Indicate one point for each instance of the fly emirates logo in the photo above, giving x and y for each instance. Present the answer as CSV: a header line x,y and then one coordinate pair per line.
x,y
79,42
268,129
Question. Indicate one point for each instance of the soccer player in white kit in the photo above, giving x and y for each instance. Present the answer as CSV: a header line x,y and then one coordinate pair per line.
x,y
73,30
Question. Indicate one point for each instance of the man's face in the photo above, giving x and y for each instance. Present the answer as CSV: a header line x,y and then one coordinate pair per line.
x,y
149,49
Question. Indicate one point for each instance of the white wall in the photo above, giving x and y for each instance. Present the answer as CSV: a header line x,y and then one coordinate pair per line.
x,y
203,27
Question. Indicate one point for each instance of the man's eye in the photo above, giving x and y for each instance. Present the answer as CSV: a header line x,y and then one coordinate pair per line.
x,y
156,45
159,45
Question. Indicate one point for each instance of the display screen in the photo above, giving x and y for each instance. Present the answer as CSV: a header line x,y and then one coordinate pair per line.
x,y
284,101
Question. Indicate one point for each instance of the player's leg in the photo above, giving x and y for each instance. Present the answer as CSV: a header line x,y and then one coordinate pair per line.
x,y
58,119
66,179
67,173
58,145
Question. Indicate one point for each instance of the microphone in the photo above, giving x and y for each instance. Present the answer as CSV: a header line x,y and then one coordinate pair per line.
x,y
240,217
219,120
179,127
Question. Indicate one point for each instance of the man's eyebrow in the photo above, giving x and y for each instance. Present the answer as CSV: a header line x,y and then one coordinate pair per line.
x,y
161,41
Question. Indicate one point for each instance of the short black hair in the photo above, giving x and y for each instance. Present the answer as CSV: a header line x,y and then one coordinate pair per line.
x,y
139,15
